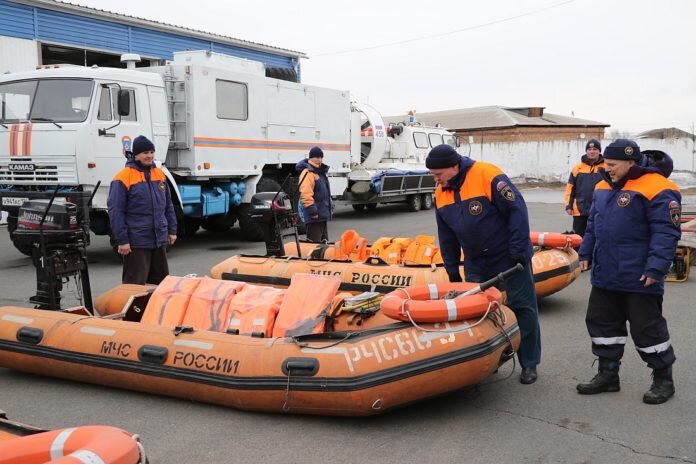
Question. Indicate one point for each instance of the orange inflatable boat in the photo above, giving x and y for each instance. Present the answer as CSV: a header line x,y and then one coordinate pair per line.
x,y
389,267
305,349
24,444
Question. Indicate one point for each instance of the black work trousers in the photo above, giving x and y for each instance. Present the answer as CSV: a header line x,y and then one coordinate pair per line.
x,y
580,225
317,232
607,314
145,266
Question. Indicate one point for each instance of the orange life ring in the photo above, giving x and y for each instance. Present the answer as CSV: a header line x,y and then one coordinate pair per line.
x,y
96,443
555,240
423,303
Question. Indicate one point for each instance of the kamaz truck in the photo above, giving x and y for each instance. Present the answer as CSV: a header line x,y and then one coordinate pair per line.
x,y
222,129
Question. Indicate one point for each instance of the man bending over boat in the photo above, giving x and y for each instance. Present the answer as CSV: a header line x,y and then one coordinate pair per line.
x,y
480,212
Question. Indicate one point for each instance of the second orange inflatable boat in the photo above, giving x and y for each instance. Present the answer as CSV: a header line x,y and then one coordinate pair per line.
x,y
554,269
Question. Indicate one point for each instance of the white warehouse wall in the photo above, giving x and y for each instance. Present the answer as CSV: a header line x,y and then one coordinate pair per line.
x,y
551,161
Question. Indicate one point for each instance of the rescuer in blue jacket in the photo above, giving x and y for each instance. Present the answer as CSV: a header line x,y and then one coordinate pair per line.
x,y
581,184
630,243
315,195
142,216
481,213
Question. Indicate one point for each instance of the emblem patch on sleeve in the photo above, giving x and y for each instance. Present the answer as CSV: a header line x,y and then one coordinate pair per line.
x,y
475,208
507,193
624,199
162,186
675,212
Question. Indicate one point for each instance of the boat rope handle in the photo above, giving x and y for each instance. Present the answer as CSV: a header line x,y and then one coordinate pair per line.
x,y
286,404
460,329
142,458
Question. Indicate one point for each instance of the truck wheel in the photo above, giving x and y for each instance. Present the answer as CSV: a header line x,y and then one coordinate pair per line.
x,y
413,202
426,201
251,228
219,223
21,244
370,206
358,206
188,227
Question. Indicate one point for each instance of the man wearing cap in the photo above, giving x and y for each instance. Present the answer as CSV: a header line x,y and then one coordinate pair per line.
x,y
315,195
630,242
581,183
480,212
142,216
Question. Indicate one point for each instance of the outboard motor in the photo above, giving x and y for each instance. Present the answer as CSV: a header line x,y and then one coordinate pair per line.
x,y
278,220
55,228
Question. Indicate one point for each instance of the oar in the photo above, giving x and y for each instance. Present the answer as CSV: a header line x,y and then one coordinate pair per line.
x,y
482,287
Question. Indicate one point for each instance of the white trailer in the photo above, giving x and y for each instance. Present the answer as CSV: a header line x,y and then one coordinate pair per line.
x,y
221,128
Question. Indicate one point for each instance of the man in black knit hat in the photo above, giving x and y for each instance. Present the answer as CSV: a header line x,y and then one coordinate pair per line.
x,y
142,216
480,212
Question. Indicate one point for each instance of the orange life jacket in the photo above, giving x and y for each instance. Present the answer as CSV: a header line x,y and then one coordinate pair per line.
x,y
421,250
168,303
254,309
208,308
307,301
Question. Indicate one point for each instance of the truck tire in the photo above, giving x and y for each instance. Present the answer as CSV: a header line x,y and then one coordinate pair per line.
x,y
359,206
251,228
188,227
426,201
22,245
371,206
413,202
219,223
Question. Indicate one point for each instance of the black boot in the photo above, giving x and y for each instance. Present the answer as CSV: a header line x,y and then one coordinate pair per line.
x,y
662,387
606,380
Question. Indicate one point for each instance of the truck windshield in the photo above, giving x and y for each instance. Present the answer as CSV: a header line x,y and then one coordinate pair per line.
x,y
45,100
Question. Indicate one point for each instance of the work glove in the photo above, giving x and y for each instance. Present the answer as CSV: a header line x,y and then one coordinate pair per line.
x,y
455,277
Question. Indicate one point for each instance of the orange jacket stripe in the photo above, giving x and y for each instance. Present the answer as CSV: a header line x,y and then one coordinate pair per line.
x,y
648,185
444,197
129,176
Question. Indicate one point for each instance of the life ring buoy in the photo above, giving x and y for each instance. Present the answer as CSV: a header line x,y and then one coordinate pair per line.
x,y
423,303
93,443
555,240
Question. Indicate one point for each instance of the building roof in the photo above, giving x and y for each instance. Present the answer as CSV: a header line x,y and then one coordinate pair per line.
x,y
665,133
150,24
496,117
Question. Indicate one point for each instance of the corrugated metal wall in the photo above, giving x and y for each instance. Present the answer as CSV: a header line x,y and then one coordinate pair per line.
x,y
51,26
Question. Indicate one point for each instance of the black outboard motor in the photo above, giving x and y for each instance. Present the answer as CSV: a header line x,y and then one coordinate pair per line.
x,y
278,220
59,242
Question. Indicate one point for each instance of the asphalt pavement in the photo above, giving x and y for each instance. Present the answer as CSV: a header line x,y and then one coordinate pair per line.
x,y
499,421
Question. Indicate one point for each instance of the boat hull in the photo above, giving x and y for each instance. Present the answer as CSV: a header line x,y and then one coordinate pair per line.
x,y
379,368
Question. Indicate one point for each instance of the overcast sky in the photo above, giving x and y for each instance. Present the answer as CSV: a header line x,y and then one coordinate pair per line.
x,y
629,63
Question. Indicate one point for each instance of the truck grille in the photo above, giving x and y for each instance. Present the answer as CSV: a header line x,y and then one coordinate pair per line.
x,y
53,173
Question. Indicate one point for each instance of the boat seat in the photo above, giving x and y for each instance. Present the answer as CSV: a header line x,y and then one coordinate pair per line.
x,y
307,301
168,303
253,310
209,306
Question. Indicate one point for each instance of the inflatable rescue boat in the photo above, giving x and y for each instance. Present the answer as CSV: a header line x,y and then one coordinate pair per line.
x,y
390,263
25,444
305,349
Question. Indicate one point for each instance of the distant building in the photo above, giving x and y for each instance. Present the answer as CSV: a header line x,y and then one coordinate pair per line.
x,y
46,32
488,124
666,133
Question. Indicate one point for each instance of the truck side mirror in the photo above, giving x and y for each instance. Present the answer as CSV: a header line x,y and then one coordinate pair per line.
x,y
123,103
